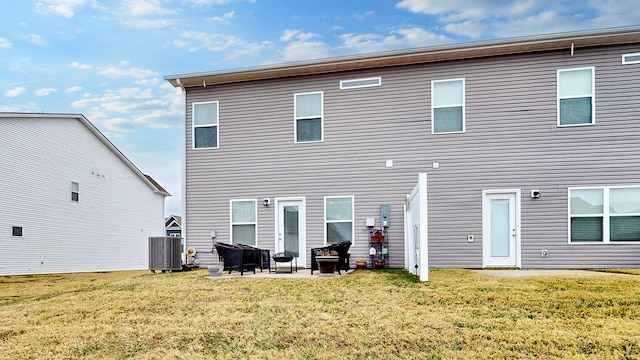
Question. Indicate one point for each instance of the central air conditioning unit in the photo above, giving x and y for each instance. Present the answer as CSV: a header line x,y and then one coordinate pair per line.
x,y
165,253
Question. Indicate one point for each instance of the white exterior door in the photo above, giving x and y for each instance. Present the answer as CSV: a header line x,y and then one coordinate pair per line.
x,y
291,228
501,228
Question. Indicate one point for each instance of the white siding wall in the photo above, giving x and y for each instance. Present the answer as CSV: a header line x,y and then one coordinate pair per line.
x,y
106,230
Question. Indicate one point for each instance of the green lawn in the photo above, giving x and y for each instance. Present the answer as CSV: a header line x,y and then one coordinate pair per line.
x,y
458,314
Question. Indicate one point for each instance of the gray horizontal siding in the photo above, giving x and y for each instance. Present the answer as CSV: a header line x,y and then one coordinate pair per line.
x,y
511,141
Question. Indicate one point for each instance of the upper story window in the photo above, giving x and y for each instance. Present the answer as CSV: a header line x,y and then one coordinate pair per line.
x,y
205,125
447,106
243,222
576,98
338,217
631,58
360,83
309,111
75,191
604,214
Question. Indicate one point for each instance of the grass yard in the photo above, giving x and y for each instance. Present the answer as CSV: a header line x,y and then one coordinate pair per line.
x,y
459,314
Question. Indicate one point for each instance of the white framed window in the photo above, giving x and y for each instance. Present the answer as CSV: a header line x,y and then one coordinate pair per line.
x,y
631,58
309,115
447,106
604,214
338,219
576,96
244,226
360,83
205,125
75,191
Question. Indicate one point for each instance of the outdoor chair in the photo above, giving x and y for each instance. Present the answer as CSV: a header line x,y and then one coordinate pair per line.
x,y
236,258
260,257
343,255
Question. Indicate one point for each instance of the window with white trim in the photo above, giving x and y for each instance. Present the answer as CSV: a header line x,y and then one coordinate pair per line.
x,y
576,96
338,218
604,214
308,110
360,83
447,106
244,227
205,125
631,58
75,191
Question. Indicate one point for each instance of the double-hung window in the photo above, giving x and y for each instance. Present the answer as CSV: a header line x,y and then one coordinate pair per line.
x,y
447,106
604,214
75,191
243,222
309,115
576,96
338,215
205,125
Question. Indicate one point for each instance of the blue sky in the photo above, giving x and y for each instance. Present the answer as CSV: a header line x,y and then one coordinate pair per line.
x,y
106,59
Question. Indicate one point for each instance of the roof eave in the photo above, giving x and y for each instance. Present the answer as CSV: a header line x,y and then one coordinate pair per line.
x,y
581,39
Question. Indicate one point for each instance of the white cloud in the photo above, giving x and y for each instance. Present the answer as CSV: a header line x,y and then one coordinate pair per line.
x,y
73,89
149,23
35,39
134,73
77,65
509,18
144,8
291,34
16,91
364,16
45,91
224,18
194,41
4,43
65,8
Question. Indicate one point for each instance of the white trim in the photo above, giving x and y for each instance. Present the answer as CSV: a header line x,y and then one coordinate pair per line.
x,y
463,105
606,215
194,126
347,84
592,95
635,55
295,117
231,223
518,225
352,221
302,231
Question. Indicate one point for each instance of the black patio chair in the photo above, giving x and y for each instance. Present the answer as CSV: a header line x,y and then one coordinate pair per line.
x,y
236,258
260,257
343,255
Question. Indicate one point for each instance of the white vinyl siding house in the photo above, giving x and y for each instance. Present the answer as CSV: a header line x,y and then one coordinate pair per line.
x,y
87,207
499,128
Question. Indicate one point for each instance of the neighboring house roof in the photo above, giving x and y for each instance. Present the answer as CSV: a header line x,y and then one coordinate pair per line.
x,y
569,41
155,187
173,220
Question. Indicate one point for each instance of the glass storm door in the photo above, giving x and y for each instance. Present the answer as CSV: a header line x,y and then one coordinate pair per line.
x,y
500,230
291,235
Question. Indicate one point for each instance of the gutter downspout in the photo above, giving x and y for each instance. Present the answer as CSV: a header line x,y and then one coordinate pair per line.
x,y
180,84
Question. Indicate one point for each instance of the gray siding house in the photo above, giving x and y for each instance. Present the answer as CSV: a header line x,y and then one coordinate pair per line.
x,y
529,145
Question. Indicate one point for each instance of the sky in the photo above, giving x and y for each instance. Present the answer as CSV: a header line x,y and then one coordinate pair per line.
x,y
107,60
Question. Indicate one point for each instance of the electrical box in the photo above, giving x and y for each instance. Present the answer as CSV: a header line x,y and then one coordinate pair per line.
x,y
384,215
370,222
